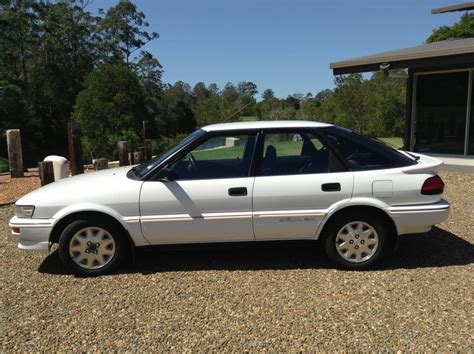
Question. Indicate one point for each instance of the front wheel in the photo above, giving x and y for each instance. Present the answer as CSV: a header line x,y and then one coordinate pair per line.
x,y
89,247
357,241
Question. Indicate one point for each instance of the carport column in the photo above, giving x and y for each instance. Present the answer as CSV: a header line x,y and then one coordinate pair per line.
x,y
408,110
15,154
75,148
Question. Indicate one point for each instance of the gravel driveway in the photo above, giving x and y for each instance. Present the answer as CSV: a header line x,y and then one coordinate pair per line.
x,y
280,296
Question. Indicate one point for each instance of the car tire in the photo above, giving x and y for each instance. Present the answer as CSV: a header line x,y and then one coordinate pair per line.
x,y
92,247
357,240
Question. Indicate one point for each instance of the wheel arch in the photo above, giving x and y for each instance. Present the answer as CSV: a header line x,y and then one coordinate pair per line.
x,y
62,223
369,209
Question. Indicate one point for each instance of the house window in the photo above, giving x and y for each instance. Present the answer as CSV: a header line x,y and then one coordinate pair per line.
x,y
470,146
441,107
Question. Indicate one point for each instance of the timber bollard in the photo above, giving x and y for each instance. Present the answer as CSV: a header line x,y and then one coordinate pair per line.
x,y
15,154
46,172
146,130
137,157
101,164
131,158
75,148
123,156
148,154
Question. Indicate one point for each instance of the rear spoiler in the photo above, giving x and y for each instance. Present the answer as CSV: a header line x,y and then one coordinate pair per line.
x,y
424,164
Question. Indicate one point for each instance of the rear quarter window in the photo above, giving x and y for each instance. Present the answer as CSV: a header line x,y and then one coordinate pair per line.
x,y
362,153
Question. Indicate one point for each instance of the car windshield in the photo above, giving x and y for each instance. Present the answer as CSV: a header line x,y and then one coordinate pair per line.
x,y
142,170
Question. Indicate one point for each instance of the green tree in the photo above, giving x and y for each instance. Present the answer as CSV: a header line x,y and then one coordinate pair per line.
x,y
247,88
110,108
46,49
351,97
201,92
386,104
123,31
462,29
177,114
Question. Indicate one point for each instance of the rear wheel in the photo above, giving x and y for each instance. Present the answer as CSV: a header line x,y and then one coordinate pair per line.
x,y
357,241
91,247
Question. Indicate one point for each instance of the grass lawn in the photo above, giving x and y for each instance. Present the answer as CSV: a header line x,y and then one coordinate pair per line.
x,y
393,141
284,148
4,165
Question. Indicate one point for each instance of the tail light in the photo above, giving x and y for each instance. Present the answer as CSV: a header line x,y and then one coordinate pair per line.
x,y
433,185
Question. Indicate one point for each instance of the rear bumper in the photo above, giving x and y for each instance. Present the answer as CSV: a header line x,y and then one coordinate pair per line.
x,y
33,234
411,219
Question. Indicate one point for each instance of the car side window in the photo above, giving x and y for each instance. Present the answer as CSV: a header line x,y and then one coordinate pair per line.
x,y
292,153
222,156
362,153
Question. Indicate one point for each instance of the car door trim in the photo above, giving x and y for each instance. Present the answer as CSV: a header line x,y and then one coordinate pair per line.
x,y
189,217
288,213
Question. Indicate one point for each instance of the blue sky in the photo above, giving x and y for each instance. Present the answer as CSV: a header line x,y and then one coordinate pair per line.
x,y
285,45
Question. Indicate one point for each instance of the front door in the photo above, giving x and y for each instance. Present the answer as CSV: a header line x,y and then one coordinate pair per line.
x,y
211,198
298,180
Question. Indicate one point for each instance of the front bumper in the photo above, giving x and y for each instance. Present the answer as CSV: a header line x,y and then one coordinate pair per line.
x,y
33,233
412,219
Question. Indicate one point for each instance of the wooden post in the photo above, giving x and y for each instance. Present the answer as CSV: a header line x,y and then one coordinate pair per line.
x,y
148,153
75,148
46,172
146,130
123,153
15,154
141,149
131,158
138,157
101,164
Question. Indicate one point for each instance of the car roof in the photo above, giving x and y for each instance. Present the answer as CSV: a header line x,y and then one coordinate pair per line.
x,y
269,124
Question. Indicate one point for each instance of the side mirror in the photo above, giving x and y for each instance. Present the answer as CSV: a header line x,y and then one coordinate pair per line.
x,y
167,175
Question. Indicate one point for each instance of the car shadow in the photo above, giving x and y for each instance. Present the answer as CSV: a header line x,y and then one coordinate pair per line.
x,y
437,248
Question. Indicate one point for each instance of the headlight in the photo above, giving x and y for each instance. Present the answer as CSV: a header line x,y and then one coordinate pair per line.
x,y
24,211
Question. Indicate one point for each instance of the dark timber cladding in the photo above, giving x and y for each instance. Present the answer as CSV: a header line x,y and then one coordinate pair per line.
x,y
457,52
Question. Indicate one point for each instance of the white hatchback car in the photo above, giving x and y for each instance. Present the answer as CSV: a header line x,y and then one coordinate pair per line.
x,y
255,181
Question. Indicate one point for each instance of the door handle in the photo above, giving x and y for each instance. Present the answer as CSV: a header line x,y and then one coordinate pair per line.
x,y
331,187
238,191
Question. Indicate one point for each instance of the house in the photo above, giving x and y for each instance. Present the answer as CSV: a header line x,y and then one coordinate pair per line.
x,y
439,102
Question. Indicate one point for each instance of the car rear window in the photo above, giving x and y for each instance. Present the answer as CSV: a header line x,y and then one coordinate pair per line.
x,y
362,153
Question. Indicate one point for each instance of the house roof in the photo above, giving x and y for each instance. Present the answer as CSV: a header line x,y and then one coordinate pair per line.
x,y
443,52
460,7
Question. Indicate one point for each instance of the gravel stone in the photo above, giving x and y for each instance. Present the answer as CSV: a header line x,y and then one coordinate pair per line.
x,y
275,296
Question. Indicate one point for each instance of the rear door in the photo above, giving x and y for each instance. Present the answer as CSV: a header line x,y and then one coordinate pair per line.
x,y
298,180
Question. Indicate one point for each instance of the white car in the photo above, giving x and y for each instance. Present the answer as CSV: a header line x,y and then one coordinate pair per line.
x,y
249,181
